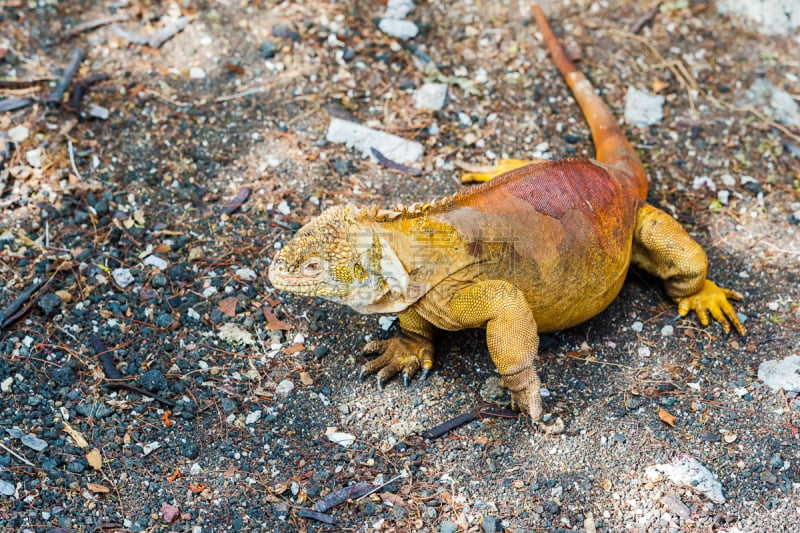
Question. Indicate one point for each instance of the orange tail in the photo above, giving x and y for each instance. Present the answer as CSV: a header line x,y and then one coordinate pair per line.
x,y
611,145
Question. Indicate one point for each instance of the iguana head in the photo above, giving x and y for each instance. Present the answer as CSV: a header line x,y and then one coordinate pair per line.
x,y
338,258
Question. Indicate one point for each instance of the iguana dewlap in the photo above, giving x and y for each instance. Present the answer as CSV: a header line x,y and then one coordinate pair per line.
x,y
539,248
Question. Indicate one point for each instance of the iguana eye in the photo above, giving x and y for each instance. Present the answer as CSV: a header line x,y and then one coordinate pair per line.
x,y
358,272
312,266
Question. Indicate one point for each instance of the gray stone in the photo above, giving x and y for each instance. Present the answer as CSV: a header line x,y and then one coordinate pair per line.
x,y
153,380
447,527
50,303
33,442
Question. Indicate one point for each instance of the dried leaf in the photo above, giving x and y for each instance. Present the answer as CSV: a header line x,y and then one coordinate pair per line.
x,y
64,296
80,442
391,498
273,323
659,85
228,306
95,459
666,417
94,487
294,348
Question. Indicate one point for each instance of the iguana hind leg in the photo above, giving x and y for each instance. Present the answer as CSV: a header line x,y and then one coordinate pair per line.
x,y
481,173
511,336
407,352
663,248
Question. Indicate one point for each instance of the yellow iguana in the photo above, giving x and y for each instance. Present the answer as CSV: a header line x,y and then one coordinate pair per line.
x,y
544,246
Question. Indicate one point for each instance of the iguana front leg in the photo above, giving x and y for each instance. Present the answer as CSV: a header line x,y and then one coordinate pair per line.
x,y
663,248
409,351
511,335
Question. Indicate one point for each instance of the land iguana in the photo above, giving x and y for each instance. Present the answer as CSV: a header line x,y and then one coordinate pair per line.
x,y
541,247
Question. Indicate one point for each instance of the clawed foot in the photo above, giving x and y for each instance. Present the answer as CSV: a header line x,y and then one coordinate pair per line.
x,y
481,173
712,299
526,395
406,353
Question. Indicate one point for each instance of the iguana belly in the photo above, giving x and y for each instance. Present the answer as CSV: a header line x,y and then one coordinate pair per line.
x,y
560,231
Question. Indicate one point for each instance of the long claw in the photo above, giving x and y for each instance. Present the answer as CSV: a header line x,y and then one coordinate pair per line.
x,y
713,300
425,372
379,383
405,380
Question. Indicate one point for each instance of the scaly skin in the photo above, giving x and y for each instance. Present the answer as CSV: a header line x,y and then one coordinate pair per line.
x,y
541,247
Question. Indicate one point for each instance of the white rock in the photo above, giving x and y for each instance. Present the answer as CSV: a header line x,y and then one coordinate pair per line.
x,y
637,326
688,472
253,417
342,439
284,387
724,196
34,157
703,181
98,111
431,96
667,331
643,351
398,9
404,428
781,375
195,469
17,134
233,334
728,180
776,102
5,386
643,109
156,262
364,139
149,448
402,29
122,277
386,322
245,274
773,17
283,208
197,73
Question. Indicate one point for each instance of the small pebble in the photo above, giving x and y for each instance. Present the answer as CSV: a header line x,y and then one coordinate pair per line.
x,y
17,134
269,49
284,387
34,157
402,29
490,524
254,416
33,442
153,380
637,326
6,488
122,277
49,303
667,331
156,262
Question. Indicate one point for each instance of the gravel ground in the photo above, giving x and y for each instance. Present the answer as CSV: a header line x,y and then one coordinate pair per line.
x,y
247,397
